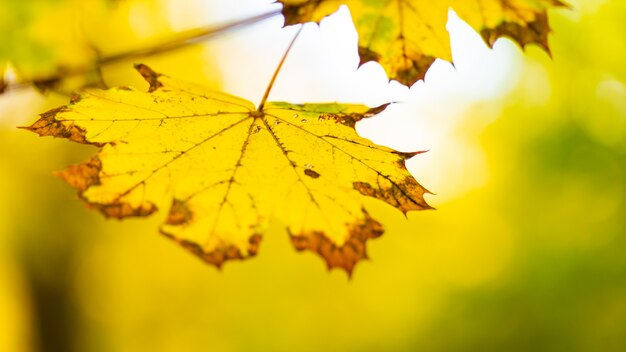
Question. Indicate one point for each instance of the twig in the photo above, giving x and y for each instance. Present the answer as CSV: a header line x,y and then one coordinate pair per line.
x,y
177,41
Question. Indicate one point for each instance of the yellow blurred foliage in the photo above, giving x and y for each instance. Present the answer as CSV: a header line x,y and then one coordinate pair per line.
x,y
532,259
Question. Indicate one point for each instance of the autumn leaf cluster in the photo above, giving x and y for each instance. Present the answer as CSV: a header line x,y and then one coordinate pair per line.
x,y
222,168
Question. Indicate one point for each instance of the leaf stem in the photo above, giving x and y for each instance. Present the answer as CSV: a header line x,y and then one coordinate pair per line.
x,y
280,65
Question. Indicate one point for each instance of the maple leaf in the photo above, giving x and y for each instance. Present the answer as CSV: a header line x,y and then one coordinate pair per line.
x,y
406,36
225,168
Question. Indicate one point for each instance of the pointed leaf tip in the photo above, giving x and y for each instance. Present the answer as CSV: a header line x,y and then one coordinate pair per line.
x,y
344,256
150,76
49,124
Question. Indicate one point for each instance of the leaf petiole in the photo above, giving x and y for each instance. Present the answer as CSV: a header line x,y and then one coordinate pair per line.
x,y
280,65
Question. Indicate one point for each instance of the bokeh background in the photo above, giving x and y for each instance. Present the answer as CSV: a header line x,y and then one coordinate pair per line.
x,y
527,157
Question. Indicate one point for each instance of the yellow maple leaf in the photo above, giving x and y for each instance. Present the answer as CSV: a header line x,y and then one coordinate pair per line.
x,y
406,36
225,168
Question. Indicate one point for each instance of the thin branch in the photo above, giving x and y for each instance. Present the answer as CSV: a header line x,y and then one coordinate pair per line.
x,y
177,41
280,65
189,37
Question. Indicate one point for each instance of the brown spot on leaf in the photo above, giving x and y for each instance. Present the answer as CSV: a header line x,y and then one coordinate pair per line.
x,y
311,173
367,55
351,119
535,32
120,210
87,174
350,252
82,176
294,14
406,196
75,98
302,12
179,213
150,77
414,72
221,254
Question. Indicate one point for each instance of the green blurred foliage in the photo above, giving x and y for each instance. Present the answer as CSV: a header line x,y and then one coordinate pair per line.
x,y
39,36
60,43
557,158
533,260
